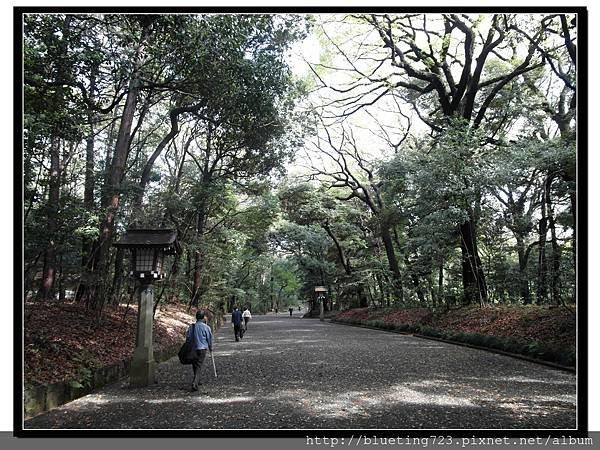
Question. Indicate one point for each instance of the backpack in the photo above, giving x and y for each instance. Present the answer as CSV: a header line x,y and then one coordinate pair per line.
x,y
187,353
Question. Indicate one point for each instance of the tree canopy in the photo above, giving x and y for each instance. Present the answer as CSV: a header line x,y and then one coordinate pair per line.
x,y
409,159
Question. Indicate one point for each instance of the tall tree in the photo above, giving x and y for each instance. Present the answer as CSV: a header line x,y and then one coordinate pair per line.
x,y
437,64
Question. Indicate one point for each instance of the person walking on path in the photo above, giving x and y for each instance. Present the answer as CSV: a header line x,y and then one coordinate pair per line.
x,y
291,309
247,316
202,341
236,320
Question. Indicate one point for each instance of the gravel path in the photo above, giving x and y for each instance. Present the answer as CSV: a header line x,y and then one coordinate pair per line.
x,y
301,373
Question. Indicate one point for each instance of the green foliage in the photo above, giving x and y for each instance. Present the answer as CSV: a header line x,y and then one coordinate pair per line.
x,y
219,179
83,379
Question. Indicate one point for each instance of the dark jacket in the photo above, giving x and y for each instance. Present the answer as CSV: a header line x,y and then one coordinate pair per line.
x,y
236,317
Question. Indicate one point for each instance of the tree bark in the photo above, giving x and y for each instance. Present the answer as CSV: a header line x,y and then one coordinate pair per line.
x,y
441,282
361,298
542,284
196,288
173,277
49,273
474,286
115,291
523,280
414,278
197,278
110,203
88,189
386,237
556,251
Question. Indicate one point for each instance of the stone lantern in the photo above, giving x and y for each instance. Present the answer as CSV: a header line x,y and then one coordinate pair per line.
x,y
320,291
148,249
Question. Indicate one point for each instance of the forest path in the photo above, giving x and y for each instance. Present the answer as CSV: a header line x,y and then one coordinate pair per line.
x,y
297,373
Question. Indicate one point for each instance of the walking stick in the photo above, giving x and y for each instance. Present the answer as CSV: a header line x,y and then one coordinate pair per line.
x,y
213,361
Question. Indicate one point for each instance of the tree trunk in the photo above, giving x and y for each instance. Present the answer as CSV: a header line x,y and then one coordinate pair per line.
x,y
88,189
110,203
88,246
61,281
523,280
173,278
115,291
414,278
197,278
542,284
380,288
573,199
363,300
49,273
474,286
556,251
196,292
272,294
441,282
393,263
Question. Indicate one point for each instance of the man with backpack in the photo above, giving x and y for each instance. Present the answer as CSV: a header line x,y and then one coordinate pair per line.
x,y
237,321
200,335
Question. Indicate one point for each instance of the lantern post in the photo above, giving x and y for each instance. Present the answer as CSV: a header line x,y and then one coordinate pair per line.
x,y
148,248
320,290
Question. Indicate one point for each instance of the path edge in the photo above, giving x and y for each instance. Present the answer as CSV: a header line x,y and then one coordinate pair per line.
x,y
464,344
42,398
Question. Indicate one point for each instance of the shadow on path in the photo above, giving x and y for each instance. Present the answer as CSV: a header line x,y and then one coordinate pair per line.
x,y
291,373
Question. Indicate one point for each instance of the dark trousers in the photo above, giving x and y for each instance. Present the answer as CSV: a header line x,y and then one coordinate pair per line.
x,y
196,365
246,319
237,331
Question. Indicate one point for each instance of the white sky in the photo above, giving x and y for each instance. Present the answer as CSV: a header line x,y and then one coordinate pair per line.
x,y
6,266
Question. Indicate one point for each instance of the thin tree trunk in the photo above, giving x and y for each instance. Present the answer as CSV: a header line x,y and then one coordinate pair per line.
x,y
523,281
386,237
197,281
61,280
542,284
414,278
202,213
188,270
197,278
173,277
382,298
441,281
49,273
572,197
474,286
115,291
88,189
556,252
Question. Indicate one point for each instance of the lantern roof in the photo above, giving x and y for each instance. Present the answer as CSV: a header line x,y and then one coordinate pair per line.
x,y
150,238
